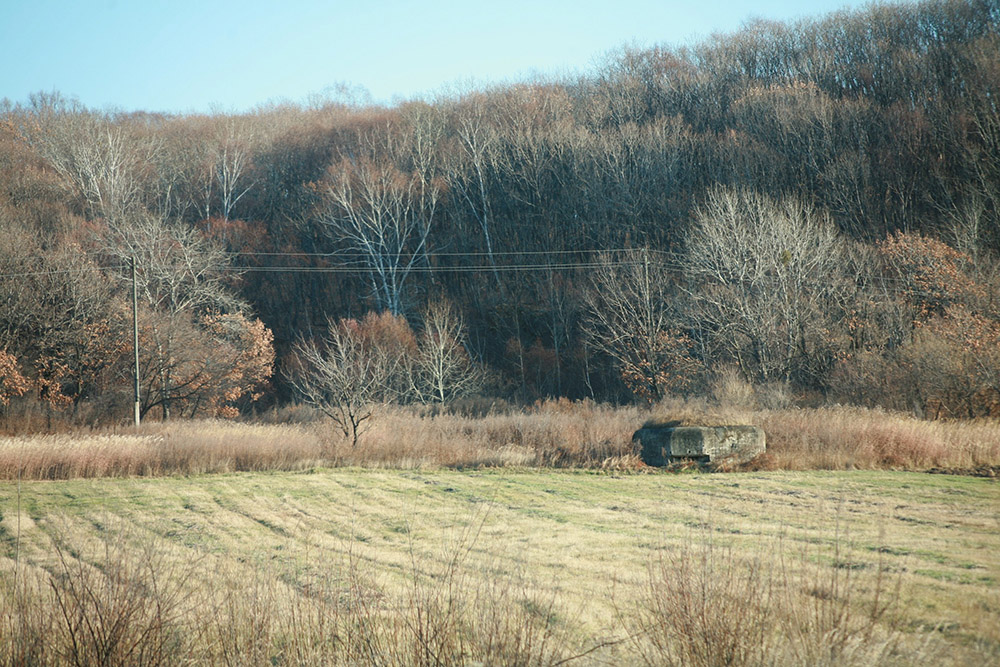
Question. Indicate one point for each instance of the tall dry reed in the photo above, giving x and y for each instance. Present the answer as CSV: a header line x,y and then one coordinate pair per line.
x,y
549,434
183,447
841,438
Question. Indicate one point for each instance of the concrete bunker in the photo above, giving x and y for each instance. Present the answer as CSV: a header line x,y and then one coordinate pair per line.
x,y
661,445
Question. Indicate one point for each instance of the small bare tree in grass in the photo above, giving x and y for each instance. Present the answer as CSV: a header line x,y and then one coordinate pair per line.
x,y
352,372
362,365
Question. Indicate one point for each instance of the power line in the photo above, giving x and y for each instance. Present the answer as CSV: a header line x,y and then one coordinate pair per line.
x,y
497,253
479,268
348,269
671,260
358,256
54,272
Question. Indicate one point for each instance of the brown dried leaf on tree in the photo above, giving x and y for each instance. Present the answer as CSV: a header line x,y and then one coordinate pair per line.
x,y
12,382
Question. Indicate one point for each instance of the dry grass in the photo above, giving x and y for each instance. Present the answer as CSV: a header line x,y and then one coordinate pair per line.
x,y
711,605
555,434
113,605
702,606
551,434
188,447
847,438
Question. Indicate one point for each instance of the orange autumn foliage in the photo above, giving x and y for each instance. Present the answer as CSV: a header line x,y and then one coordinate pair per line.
x,y
12,382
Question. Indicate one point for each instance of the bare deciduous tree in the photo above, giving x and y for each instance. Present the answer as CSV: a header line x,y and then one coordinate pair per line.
x,y
180,279
384,214
475,163
103,159
348,377
443,369
766,282
232,164
632,320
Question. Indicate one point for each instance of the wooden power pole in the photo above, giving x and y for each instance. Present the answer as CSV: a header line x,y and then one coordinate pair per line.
x,y
135,342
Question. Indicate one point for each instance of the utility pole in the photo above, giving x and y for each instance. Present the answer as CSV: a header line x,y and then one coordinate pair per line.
x,y
135,342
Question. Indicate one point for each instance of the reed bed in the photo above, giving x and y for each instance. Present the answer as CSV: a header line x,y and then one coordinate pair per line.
x,y
844,438
185,448
552,434
549,434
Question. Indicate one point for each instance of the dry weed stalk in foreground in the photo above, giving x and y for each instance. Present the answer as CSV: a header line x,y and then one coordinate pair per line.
x,y
551,434
706,605
132,608
127,604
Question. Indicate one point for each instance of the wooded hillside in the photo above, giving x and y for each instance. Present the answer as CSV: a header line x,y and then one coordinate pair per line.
x,y
804,211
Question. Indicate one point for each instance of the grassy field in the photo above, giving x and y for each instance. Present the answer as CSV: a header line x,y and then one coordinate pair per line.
x,y
503,566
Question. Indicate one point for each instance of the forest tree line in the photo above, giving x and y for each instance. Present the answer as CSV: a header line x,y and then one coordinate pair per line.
x,y
811,209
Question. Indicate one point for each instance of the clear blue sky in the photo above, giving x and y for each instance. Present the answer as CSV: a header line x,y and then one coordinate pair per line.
x,y
204,55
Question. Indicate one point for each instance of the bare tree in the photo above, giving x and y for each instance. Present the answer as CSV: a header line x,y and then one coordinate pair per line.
x,y
232,163
631,319
179,270
347,376
221,152
104,160
476,162
766,279
443,369
384,214
176,190
180,279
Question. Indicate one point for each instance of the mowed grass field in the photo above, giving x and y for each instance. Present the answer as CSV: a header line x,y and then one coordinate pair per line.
x,y
510,566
